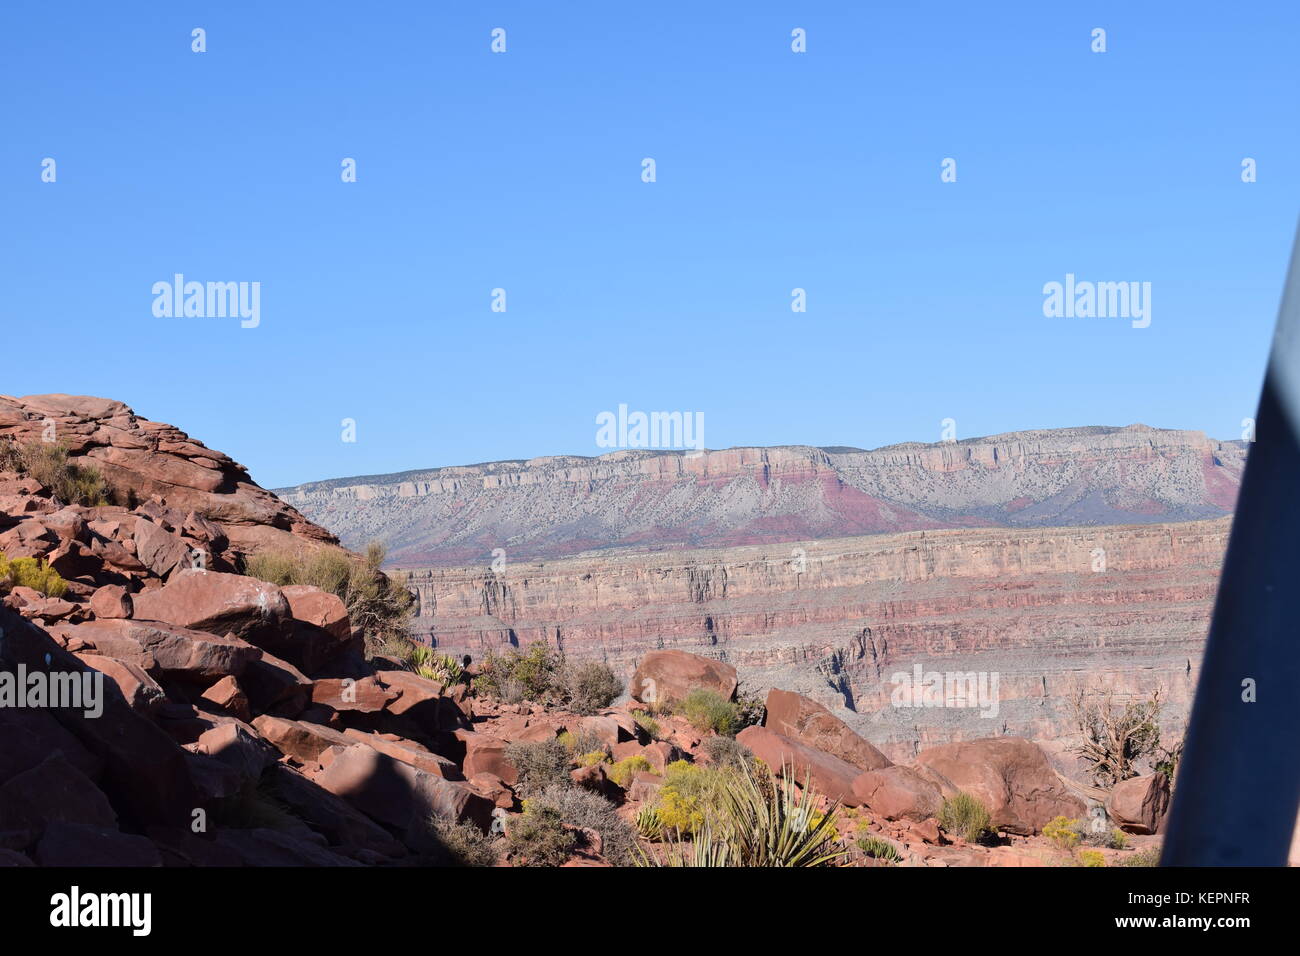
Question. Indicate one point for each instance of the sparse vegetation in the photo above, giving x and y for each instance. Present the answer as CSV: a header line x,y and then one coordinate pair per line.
x,y
708,710
1148,857
725,752
34,574
879,848
1115,740
541,674
964,816
540,765
1091,858
1063,832
646,722
463,844
379,604
442,668
758,821
49,464
627,768
538,837
581,808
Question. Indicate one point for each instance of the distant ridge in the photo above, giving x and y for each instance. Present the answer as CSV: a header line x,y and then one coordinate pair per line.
x,y
654,499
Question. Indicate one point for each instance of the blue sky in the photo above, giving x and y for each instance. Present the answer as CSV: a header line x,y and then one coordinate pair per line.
x,y
522,171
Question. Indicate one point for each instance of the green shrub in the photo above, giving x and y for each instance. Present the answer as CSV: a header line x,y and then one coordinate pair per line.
x,y
377,603
966,817
592,757
463,844
34,574
582,808
541,674
1091,858
589,686
540,764
538,837
878,848
647,723
627,768
709,711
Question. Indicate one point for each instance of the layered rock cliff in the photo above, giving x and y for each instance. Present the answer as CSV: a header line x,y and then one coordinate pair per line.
x,y
649,500
1046,610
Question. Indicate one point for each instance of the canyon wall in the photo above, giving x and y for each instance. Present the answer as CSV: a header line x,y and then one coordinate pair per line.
x,y
652,500
1047,610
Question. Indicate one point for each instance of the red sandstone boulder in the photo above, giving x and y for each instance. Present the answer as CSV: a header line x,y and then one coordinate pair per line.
x,y
795,716
217,603
1009,775
664,676
367,695
828,775
297,738
230,697
397,794
1139,804
898,793
320,609
176,651
53,790
111,601
484,754
141,691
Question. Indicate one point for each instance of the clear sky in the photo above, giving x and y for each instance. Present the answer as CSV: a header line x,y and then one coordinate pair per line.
x,y
523,170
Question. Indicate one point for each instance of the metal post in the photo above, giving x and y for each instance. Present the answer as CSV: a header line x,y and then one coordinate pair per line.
x,y
1238,784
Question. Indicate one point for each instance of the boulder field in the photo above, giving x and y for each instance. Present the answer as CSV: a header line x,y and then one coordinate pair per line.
x,y
241,723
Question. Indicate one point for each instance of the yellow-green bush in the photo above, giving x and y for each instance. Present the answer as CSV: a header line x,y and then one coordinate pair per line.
x,y
965,816
627,768
708,710
34,574
1063,831
591,758
1091,858
647,723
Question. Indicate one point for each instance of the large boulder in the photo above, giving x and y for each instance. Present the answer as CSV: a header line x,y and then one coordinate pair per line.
x,y
827,774
1009,775
176,651
795,716
217,603
1139,804
898,793
53,790
398,794
664,676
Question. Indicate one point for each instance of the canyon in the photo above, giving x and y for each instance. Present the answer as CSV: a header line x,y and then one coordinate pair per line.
x,y
1048,610
1051,561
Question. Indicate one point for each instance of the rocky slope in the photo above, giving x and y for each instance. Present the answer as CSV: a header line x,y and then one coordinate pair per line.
x,y
238,723
652,500
1045,609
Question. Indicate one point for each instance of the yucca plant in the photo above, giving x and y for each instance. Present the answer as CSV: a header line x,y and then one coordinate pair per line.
x,y
648,823
773,823
762,822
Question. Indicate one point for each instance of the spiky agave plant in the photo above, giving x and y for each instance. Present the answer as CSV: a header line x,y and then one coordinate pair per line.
x,y
762,822
773,823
